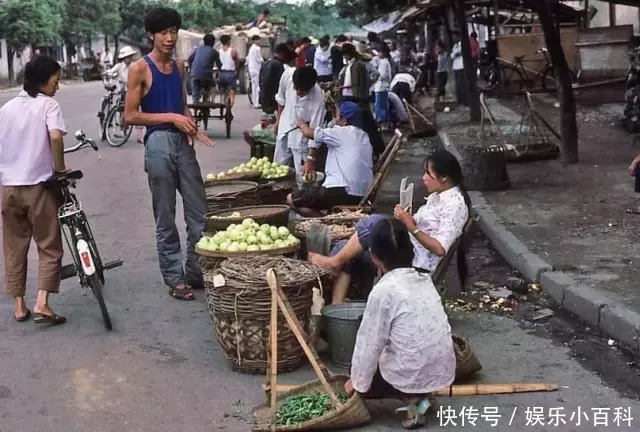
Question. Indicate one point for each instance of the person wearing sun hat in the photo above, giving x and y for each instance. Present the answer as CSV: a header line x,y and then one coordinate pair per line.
x,y
349,165
121,72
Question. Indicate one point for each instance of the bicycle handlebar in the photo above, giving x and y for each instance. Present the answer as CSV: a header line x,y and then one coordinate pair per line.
x,y
83,142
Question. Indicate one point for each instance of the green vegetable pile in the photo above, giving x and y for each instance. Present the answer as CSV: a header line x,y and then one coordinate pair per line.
x,y
299,409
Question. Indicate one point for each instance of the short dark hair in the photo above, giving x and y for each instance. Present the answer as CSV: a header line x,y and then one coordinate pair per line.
x,y
305,40
161,18
209,39
225,39
38,72
349,49
304,78
284,52
255,38
389,242
266,12
341,38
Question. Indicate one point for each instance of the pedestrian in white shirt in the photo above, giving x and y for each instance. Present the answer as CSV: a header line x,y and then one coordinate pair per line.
x,y
404,347
299,97
349,166
434,228
404,85
254,63
382,86
458,69
31,153
322,61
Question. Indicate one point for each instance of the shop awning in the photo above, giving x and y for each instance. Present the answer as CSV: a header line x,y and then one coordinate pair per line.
x,y
383,24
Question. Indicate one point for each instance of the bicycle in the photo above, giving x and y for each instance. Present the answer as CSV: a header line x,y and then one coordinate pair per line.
x,y
510,72
87,263
111,86
116,130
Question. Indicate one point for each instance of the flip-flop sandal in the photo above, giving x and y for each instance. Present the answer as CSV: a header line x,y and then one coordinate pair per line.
x,y
632,211
185,293
25,317
54,319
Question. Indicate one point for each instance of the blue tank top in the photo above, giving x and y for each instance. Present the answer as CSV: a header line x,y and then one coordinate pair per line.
x,y
165,95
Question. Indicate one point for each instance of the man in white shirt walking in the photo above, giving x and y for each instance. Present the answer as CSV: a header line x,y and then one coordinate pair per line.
x,y
322,61
299,97
458,70
254,63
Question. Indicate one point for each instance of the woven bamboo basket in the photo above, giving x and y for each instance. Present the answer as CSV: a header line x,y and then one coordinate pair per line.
x,y
341,227
241,310
353,413
232,193
248,176
275,191
210,260
467,363
277,215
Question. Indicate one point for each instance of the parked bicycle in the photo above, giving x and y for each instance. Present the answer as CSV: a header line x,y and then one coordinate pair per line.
x,y
87,263
111,86
117,130
516,74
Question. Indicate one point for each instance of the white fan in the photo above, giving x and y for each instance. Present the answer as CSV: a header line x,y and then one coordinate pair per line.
x,y
406,195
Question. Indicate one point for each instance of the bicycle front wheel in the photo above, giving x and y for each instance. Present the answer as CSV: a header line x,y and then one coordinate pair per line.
x,y
117,131
96,286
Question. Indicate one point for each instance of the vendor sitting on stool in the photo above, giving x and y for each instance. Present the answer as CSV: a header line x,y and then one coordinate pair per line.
x,y
403,348
349,166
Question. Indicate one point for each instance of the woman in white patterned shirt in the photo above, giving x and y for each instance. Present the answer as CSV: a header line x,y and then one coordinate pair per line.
x,y
403,348
434,227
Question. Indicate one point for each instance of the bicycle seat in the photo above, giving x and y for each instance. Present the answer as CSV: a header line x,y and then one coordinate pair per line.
x,y
66,176
110,88
519,58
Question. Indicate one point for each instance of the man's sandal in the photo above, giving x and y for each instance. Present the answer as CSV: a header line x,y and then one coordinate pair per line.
x,y
182,292
419,412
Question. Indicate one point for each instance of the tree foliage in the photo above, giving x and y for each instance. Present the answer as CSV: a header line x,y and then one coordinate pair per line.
x,y
365,11
29,22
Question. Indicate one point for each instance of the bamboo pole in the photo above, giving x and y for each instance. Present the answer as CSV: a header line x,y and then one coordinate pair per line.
x,y
491,389
274,351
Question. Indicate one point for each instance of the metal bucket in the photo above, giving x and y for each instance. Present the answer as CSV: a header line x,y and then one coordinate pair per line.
x,y
341,323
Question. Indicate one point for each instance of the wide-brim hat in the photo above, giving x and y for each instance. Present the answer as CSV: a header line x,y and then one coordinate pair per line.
x,y
125,52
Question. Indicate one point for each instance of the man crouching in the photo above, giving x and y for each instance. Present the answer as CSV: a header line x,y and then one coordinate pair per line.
x,y
349,165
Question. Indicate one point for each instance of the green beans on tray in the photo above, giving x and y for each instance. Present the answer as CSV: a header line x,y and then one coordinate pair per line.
x,y
299,409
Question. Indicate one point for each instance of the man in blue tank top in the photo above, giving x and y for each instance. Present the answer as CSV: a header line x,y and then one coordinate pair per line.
x,y
156,98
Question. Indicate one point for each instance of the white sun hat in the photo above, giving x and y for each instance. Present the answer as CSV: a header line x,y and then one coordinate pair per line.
x,y
126,51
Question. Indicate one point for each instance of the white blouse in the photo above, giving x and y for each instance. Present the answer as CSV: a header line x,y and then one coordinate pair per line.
x,y
406,334
443,217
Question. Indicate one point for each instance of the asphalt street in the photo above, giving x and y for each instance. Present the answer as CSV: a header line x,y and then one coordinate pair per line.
x,y
161,369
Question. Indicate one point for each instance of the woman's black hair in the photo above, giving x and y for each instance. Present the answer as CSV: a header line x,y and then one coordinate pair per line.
x,y
446,164
38,72
390,243
160,19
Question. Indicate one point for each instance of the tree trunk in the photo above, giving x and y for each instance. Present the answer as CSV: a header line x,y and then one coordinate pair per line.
x,y
10,72
563,83
470,69
116,47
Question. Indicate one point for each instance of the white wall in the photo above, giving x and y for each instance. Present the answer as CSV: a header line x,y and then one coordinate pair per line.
x,y
18,61
625,15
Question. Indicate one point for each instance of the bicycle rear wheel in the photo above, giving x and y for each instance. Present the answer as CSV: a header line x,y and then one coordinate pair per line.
x,y
117,131
512,78
96,286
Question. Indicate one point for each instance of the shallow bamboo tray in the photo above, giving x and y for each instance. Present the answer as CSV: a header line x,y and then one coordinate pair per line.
x,y
353,413
249,175
270,214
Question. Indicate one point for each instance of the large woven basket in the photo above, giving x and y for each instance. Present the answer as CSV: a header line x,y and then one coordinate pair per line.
x,y
241,310
210,260
275,191
277,215
233,193
467,364
353,413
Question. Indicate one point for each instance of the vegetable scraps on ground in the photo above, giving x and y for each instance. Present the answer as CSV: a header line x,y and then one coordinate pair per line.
x,y
299,409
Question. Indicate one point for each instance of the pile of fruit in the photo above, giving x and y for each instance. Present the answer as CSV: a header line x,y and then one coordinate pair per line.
x,y
248,237
269,170
299,409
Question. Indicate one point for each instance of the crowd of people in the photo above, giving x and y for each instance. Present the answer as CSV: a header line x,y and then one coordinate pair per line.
x,y
404,347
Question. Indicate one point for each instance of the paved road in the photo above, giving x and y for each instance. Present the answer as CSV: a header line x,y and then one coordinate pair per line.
x,y
162,370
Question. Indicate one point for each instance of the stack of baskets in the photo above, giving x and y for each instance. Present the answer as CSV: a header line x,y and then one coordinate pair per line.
x,y
232,193
241,308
